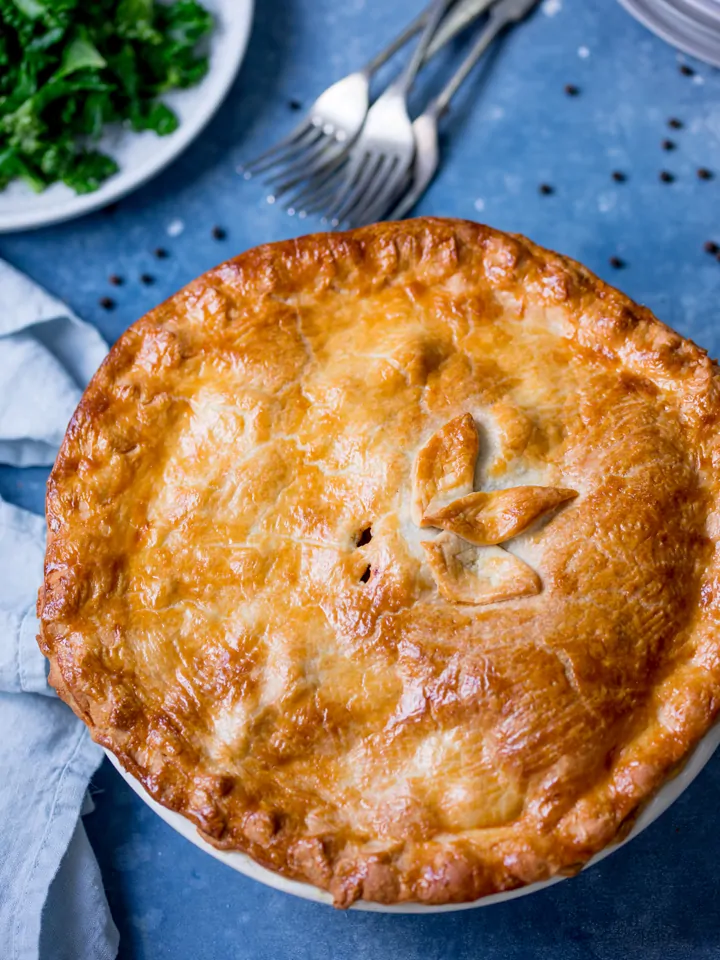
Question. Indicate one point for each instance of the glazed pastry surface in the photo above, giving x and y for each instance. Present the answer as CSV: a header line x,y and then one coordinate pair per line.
x,y
390,558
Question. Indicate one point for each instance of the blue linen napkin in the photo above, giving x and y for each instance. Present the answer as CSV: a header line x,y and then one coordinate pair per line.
x,y
52,903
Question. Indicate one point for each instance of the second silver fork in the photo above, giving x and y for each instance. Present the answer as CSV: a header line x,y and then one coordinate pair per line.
x,y
324,135
381,157
503,14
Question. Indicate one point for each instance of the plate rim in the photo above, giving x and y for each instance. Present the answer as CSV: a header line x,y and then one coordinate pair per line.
x,y
223,71
666,795
656,21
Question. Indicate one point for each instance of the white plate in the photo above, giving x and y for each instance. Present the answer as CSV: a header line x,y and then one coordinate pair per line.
x,y
141,155
243,864
689,25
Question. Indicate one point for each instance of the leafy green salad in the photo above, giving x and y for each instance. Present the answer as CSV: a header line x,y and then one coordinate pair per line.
x,y
68,68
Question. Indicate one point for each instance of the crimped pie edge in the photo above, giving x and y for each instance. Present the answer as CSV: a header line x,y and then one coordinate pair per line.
x,y
602,319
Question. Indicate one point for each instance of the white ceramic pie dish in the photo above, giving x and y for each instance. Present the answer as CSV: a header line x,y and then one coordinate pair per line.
x,y
663,799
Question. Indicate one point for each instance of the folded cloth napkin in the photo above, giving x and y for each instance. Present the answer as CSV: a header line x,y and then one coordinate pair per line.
x,y
52,903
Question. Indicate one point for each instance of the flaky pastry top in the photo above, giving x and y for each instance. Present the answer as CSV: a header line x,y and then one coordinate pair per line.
x,y
390,558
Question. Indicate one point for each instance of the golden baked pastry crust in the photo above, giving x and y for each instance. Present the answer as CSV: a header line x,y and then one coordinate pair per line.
x,y
247,452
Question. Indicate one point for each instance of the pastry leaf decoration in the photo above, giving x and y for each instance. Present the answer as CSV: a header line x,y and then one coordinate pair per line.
x,y
466,560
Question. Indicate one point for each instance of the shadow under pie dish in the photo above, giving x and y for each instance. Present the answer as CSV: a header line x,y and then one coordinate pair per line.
x,y
389,558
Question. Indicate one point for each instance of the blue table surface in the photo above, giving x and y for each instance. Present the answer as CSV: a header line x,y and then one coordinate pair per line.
x,y
513,128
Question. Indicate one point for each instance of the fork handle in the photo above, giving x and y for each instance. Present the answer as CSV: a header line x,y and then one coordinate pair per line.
x,y
435,14
439,104
397,44
462,14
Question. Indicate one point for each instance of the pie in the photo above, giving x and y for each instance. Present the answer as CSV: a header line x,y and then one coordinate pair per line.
x,y
391,559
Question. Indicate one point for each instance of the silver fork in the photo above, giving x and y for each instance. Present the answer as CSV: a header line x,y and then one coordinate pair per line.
x,y
425,127
384,151
335,119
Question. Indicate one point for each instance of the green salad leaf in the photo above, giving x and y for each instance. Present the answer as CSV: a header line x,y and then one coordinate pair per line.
x,y
80,54
68,68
